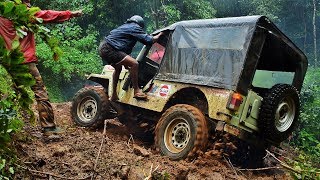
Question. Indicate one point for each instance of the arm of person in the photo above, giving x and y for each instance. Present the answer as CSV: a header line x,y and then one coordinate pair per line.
x,y
156,37
51,16
143,37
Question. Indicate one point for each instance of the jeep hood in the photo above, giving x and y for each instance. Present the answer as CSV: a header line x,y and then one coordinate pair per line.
x,y
224,52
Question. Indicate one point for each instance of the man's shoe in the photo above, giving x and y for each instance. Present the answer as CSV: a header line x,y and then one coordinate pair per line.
x,y
52,131
141,96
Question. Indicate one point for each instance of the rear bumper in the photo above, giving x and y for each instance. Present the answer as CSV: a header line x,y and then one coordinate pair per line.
x,y
241,134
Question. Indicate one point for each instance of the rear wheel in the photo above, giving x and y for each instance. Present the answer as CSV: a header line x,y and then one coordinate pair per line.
x,y
181,132
90,106
279,112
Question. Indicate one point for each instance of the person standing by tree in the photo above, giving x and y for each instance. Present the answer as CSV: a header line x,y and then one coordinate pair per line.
x,y
115,50
28,47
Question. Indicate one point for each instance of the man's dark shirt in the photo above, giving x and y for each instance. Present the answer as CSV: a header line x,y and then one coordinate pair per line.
x,y
125,37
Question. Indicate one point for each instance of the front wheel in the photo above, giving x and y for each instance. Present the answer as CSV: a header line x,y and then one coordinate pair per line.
x,y
181,132
279,112
90,106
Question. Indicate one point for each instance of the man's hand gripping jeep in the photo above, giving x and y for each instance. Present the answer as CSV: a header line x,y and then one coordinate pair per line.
x,y
238,75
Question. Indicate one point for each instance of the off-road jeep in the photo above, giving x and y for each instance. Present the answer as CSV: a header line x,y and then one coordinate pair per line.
x,y
238,75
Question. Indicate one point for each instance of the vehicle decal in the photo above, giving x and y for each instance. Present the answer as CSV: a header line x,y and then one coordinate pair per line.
x,y
164,90
154,90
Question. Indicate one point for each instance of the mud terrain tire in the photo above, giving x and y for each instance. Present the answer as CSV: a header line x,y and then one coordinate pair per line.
x,y
90,106
279,112
181,132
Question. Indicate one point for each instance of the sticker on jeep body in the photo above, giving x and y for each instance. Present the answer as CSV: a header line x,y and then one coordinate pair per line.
x,y
164,90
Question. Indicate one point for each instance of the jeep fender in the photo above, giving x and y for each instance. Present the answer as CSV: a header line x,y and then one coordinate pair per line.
x,y
100,79
192,96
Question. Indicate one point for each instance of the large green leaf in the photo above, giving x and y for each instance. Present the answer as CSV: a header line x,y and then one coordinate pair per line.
x,y
8,7
18,1
34,10
15,44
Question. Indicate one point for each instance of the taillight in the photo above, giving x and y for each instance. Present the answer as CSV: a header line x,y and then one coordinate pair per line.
x,y
235,101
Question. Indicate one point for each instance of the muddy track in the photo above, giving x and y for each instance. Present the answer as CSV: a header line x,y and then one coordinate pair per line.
x,y
123,155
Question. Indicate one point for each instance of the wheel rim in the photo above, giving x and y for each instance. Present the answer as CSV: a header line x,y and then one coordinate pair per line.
x,y
87,109
177,135
285,114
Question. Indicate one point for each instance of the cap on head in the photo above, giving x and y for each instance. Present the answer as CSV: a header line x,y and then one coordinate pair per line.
x,y
137,19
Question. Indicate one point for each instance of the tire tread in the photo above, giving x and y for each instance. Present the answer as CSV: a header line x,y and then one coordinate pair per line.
x,y
104,99
201,129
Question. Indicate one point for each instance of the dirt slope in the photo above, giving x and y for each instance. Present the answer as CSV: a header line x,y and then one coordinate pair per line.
x,y
122,156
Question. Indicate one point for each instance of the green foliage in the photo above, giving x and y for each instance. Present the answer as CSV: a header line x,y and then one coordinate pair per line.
x,y
169,12
200,9
310,102
307,136
78,40
269,8
80,51
6,170
173,14
309,144
18,13
79,57
303,168
15,92
161,175
14,96
51,42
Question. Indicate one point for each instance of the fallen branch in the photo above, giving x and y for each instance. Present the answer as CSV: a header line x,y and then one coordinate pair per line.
x,y
287,166
104,134
151,172
230,164
283,164
128,143
48,173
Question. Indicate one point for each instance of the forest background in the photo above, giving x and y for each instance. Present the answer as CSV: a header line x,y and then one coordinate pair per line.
x,y
80,37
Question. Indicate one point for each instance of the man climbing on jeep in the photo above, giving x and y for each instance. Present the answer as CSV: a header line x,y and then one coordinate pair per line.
x,y
115,50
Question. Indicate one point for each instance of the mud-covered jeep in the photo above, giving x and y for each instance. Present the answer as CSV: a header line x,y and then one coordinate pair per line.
x,y
238,75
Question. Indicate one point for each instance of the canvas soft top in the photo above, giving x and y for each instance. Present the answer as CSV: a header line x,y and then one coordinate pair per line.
x,y
224,52
217,22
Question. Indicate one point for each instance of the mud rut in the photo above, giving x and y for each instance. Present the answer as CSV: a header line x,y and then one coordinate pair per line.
x,y
127,153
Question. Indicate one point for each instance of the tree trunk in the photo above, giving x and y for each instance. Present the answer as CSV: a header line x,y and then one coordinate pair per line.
x,y
156,13
314,33
305,31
